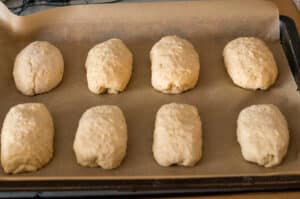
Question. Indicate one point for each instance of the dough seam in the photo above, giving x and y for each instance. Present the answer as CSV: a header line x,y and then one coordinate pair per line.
x,y
33,76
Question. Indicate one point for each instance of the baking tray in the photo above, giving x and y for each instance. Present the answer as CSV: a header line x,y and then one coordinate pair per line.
x,y
154,185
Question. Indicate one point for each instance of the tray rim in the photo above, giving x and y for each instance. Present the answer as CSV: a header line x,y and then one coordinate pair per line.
x,y
155,187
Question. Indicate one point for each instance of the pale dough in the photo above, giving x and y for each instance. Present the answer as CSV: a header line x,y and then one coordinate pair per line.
x,y
175,65
177,135
101,137
250,63
38,68
26,138
263,134
109,67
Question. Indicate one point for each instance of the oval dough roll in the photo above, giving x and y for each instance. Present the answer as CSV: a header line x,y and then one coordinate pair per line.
x,y
250,63
38,68
177,135
175,65
101,137
109,67
26,138
263,134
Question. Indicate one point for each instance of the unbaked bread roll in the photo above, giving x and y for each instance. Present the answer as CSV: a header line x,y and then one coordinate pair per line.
x,y
109,67
174,65
101,137
250,63
38,68
177,135
263,134
26,138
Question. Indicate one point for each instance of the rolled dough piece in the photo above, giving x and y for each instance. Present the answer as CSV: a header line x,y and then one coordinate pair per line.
x,y
26,138
101,137
109,67
177,135
175,65
250,63
38,68
262,132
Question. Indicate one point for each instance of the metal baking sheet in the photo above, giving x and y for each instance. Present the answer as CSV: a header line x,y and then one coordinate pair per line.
x,y
209,25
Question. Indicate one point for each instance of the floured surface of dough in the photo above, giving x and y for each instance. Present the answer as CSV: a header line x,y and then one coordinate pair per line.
x,y
26,138
101,137
38,68
177,135
263,134
109,67
250,63
175,65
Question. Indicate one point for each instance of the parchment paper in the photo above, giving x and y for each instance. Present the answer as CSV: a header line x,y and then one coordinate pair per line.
x,y
208,24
